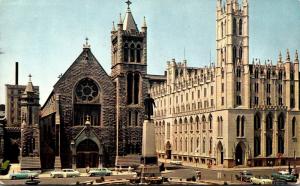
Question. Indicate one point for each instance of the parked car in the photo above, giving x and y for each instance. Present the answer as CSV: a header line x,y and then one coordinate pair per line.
x,y
23,174
99,172
244,176
283,175
261,180
64,173
173,162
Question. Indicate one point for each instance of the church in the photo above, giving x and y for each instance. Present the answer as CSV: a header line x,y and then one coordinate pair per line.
x,y
90,116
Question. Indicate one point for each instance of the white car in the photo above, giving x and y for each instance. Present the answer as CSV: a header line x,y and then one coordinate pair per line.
x,y
173,162
64,173
261,180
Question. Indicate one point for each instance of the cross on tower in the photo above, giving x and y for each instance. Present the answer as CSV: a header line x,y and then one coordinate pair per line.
x,y
29,77
128,2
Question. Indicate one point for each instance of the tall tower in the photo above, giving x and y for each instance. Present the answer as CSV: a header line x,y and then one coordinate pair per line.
x,y
129,69
233,53
30,133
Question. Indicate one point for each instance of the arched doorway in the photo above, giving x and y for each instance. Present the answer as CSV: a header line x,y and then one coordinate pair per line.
x,y
87,154
239,154
220,154
13,151
168,150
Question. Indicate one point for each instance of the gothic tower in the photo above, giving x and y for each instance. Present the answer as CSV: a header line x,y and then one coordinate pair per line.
x,y
30,134
129,69
233,53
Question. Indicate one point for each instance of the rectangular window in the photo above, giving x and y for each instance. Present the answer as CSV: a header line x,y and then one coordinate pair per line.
x,y
204,92
186,96
211,102
222,101
192,95
256,100
212,90
198,93
268,101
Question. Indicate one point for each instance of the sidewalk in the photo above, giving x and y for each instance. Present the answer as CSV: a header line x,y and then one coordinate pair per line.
x,y
218,168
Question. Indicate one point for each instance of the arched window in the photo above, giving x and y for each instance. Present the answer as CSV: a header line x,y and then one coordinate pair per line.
x,y
240,27
175,126
132,53
241,54
136,88
186,145
204,121
197,122
210,122
242,126
198,145
257,134
280,122
180,125
210,145
294,127
191,123
257,122
269,146
176,144
280,75
222,31
238,126
234,55
203,145
136,118
138,53
126,52
129,88
180,145
234,26
269,121
256,146
192,145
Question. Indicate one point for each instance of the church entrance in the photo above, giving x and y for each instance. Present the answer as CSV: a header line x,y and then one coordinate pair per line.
x,y
220,154
239,154
87,154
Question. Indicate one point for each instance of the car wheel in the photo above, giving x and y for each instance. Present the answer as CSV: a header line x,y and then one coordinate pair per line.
x,y
13,177
92,174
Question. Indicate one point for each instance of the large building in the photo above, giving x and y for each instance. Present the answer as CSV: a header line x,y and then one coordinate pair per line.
x,y
236,112
91,118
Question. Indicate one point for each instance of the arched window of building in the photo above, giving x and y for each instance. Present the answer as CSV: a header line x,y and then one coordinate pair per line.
x,y
280,122
126,52
257,124
136,88
136,118
198,145
197,122
186,145
234,55
132,53
241,54
238,126
129,88
222,32
243,126
256,146
294,127
203,145
204,122
280,75
185,124
175,126
176,148
180,125
210,145
138,53
269,145
210,122
191,123
240,27
257,134
192,145
180,145
269,121
234,26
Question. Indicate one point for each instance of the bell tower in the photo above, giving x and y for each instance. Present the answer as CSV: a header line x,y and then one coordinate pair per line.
x,y
30,132
232,39
128,70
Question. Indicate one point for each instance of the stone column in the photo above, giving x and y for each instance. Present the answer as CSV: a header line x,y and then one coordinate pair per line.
x,y
148,145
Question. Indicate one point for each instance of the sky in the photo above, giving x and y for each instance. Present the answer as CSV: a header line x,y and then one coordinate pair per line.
x,y
46,37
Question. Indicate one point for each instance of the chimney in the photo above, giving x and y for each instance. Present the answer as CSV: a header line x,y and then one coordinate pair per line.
x,y
17,73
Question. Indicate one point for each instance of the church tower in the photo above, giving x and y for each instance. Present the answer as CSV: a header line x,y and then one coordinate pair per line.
x,y
233,75
30,133
128,70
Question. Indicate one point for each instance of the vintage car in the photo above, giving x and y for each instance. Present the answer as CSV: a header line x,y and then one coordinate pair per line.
x,y
99,172
283,175
173,162
23,174
244,176
64,173
261,180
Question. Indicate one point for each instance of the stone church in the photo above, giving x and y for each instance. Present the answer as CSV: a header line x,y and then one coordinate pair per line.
x,y
235,112
90,116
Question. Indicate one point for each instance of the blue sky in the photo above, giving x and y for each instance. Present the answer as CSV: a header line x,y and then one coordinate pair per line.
x,y
45,37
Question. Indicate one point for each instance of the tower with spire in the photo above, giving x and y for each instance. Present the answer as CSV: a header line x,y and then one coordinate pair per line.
x,y
30,133
128,70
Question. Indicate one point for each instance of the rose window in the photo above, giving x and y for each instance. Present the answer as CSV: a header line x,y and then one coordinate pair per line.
x,y
87,90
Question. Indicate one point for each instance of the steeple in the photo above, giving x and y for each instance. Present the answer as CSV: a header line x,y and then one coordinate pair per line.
x,y
279,57
86,45
144,27
129,23
288,55
296,57
29,87
113,27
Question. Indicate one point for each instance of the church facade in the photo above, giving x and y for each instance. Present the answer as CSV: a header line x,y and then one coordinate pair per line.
x,y
235,112
92,118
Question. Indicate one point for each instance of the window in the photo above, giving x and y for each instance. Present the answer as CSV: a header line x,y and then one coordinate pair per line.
x,y
280,101
241,54
211,102
238,100
268,88
240,27
294,127
203,145
132,53
222,101
234,55
238,126
269,122
234,26
256,87
126,52
211,90
222,88
256,73
268,101
198,93
204,92
238,86
242,126
268,74
138,54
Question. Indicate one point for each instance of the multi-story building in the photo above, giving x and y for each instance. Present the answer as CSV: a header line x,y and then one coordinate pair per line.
x,y
236,112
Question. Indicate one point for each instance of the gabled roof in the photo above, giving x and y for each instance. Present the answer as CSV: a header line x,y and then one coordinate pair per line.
x,y
129,23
